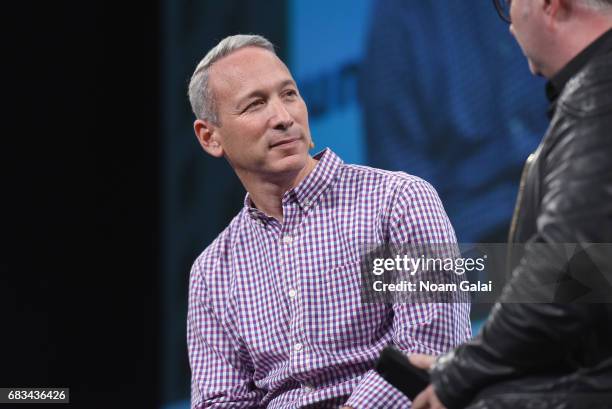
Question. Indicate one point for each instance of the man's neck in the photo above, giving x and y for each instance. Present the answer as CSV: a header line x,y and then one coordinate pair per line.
x,y
556,84
577,37
267,192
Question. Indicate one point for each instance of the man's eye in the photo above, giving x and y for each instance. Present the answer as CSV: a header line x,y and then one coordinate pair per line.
x,y
290,93
254,104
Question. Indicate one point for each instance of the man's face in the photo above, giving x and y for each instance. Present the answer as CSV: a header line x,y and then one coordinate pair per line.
x,y
529,30
263,119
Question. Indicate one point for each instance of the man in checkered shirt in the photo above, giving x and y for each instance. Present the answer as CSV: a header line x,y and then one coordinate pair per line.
x,y
275,316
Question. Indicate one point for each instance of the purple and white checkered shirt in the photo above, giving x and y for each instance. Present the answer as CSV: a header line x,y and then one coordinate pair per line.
x,y
275,316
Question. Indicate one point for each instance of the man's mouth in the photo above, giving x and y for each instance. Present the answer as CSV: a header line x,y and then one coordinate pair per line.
x,y
284,141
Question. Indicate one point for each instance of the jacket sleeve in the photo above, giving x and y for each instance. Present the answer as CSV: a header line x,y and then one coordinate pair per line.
x,y
576,207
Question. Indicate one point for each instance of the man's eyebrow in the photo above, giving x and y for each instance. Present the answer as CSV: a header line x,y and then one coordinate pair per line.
x,y
260,93
287,82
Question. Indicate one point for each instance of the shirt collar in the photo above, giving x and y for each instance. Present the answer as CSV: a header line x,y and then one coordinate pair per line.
x,y
555,85
317,182
309,189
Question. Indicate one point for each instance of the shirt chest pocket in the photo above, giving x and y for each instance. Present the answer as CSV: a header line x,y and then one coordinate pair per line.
x,y
336,316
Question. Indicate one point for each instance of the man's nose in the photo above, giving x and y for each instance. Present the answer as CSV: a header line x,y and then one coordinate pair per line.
x,y
281,118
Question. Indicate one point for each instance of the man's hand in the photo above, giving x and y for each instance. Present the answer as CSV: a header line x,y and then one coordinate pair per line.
x,y
428,398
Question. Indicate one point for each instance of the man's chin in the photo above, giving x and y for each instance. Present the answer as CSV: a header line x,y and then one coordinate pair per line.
x,y
535,70
288,160
532,67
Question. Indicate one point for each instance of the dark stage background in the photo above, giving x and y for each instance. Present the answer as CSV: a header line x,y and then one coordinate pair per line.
x,y
79,266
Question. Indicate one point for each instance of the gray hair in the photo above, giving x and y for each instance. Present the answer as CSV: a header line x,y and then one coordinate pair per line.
x,y
200,95
598,5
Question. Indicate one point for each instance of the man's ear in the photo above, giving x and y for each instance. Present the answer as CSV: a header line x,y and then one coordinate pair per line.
x,y
208,136
557,10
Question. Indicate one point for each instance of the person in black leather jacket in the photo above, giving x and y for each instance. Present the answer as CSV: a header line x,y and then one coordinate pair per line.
x,y
556,354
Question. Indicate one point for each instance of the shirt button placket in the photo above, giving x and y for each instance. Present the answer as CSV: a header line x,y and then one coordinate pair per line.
x,y
287,250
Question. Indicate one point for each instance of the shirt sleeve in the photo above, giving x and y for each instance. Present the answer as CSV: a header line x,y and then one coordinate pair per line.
x,y
428,328
221,374
373,392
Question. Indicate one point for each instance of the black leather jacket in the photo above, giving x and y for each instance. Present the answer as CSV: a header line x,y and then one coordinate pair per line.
x,y
551,355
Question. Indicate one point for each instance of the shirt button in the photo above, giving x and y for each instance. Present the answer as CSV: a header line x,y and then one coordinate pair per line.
x,y
307,203
298,347
292,293
308,388
287,239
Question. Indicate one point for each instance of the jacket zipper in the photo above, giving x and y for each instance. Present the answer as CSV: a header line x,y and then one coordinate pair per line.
x,y
519,198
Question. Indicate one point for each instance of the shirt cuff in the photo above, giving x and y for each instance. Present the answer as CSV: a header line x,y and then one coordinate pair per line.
x,y
373,392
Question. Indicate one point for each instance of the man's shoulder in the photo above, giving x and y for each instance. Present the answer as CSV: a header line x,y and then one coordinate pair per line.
x,y
392,179
397,187
220,247
589,92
